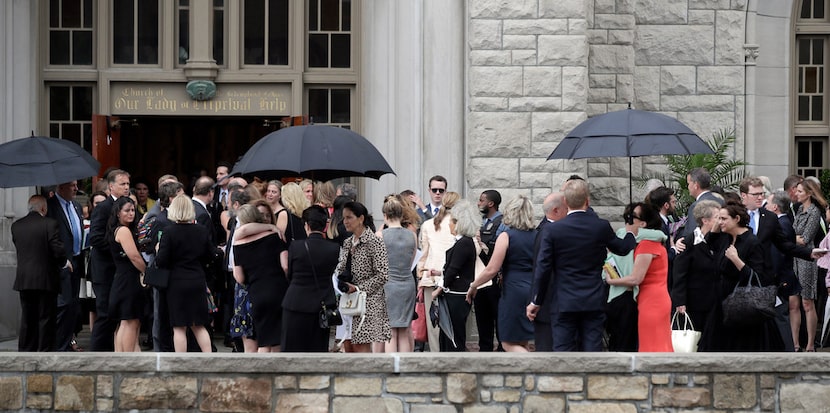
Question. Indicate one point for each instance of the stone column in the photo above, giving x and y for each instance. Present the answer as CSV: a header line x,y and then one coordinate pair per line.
x,y
19,91
201,64
411,92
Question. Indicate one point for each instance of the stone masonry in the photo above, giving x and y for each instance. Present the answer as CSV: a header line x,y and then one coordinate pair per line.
x,y
416,382
537,68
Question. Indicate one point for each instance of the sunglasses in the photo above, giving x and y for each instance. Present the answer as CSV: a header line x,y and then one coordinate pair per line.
x,y
437,190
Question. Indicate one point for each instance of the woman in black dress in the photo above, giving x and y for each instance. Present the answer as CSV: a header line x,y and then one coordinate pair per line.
x,y
183,249
740,254
310,265
126,297
260,261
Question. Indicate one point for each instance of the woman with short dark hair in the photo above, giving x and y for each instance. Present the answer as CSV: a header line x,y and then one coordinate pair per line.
x,y
310,265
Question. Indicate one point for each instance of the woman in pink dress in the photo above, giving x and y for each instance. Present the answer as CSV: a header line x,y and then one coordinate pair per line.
x,y
650,273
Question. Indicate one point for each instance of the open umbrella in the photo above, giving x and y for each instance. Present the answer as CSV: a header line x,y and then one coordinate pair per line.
x,y
41,161
439,314
313,151
630,133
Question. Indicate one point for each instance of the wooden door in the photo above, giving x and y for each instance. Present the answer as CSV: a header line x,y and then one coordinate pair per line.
x,y
106,143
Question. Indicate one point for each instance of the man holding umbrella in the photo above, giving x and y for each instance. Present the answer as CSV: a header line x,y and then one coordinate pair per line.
x,y
103,267
571,254
63,208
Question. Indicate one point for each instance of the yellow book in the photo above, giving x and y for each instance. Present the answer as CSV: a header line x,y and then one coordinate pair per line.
x,y
610,268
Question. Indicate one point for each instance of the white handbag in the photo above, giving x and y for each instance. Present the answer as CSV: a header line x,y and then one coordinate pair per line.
x,y
684,339
353,304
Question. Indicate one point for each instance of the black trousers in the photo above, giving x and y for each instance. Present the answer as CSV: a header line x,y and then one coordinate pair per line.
x,y
103,332
302,333
621,323
69,305
38,309
578,330
162,332
487,315
543,335
459,311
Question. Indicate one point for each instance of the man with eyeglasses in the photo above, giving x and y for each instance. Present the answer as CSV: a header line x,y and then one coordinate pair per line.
x,y
437,189
764,224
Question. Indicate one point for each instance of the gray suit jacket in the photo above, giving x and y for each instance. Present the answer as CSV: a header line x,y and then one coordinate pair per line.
x,y
691,224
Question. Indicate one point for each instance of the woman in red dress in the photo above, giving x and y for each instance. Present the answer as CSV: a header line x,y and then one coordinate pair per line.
x,y
650,273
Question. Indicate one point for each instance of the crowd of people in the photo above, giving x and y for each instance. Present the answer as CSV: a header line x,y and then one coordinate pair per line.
x,y
261,262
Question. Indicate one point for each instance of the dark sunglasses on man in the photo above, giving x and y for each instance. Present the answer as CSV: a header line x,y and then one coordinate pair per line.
x,y
437,190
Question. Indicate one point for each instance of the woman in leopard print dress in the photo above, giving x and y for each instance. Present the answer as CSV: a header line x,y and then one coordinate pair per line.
x,y
370,270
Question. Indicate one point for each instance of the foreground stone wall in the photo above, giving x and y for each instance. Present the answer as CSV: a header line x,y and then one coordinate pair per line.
x,y
415,383
537,68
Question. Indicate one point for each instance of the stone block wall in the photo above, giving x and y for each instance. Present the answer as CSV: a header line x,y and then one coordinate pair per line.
x,y
537,68
416,382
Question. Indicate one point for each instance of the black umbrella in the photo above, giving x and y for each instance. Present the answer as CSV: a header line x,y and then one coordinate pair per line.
x,y
42,161
630,133
439,314
313,151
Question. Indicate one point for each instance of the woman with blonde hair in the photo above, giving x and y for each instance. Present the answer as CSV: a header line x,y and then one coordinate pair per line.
x,y
273,194
184,249
295,203
307,185
324,195
513,256
436,239
808,229
401,245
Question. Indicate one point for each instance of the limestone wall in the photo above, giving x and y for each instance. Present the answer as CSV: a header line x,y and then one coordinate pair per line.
x,y
537,68
416,383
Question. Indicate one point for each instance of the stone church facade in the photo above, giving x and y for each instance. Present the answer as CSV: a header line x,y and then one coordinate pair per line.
x,y
481,91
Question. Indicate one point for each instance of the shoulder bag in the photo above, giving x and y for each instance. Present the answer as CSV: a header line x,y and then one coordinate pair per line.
x,y
751,304
156,277
328,317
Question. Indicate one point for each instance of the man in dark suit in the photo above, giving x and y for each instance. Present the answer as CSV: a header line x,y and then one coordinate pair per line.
x,y
40,258
203,191
437,189
699,181
555,209
221,200
767,228
571,254
103,267
63,208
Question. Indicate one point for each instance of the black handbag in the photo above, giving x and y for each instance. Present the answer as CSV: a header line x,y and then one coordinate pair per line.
x,y
156,277
750,304
328,317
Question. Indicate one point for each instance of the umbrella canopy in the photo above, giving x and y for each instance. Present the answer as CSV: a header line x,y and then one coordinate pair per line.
x,y
313,151
629,132
42,161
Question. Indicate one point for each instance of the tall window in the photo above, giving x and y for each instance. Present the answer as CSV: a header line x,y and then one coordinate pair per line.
x,y
330,106
70,113
135,31
266,32
219,31
811,123
329,33
70,32
183,14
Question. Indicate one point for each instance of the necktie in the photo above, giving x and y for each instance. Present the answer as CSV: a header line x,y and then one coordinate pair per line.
x,y
435,211
222,199
73,225
752,222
